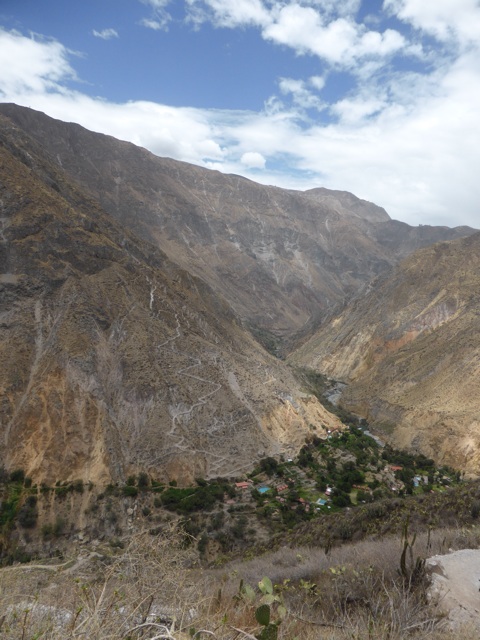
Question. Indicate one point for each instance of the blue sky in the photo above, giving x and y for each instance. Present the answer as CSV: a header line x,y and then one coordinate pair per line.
x,y
377,97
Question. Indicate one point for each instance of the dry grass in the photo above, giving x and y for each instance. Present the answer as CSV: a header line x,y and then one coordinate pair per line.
x,y
148,587
154,589
355,591
307,563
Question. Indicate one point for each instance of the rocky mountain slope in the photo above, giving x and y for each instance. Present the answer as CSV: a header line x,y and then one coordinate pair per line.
x,y
282,259
410,351
128,283
112,358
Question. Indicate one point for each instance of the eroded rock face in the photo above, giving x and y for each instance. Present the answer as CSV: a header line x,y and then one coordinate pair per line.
x,y
410,351
455,588
126,281
115,360
282,259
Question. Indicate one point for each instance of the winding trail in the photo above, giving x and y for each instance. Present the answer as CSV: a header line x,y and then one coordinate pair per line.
x,y
181,411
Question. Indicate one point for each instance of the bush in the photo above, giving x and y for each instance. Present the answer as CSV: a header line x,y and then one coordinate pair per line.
x,y
17,476
116,543
55,529
129,491
475,509
269,465
59,526
218,520
78,486
61,492
341,500
202,543
143,480
364,496
28,514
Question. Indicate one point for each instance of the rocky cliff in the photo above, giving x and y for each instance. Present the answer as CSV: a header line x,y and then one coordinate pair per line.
x,y
131,287
112,358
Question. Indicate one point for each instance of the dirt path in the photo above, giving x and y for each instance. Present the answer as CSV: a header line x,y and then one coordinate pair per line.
x,y
70,566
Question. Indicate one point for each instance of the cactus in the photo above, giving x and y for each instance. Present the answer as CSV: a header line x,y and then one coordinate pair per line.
x,y
263,613
270,629
411,571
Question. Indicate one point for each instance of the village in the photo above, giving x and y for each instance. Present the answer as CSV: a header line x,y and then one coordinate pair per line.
x,y
347,469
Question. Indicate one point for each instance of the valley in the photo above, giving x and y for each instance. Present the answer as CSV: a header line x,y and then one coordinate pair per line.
x,y
409,352
195,370
136,291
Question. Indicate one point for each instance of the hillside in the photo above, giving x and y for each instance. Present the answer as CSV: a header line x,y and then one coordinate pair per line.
x,y
145,433
410,351
132,286
282,259
115,360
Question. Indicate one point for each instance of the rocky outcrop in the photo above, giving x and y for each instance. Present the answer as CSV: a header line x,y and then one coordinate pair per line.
x,y
454,589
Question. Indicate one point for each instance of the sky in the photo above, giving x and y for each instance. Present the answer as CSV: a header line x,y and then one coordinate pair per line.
x,y
377,97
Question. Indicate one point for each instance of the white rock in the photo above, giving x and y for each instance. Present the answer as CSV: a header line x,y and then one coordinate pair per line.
x,y
455,587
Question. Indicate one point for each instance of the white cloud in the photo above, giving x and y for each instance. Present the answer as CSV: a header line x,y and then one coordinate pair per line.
x,y
105,34
229,13
31,65
356,111
340,41
253,160
336,8
156,25
443,19
410,144
318,82
301,94
325,29
159,18
157,4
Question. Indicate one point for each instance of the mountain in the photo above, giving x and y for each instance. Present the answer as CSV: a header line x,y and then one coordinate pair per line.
x,y
115,360
410,352
132,288
282,259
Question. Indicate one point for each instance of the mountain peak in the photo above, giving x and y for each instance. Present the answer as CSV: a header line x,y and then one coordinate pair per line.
x,y
348,202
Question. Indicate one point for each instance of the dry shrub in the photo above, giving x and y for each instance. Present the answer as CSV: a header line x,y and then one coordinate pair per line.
x,y
356,591
146,590
154,589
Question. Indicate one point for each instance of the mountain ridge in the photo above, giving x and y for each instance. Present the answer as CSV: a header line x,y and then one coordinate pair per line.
x,y
283,259
135,284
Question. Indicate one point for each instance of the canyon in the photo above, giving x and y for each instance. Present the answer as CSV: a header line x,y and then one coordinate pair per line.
x,y
147,307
